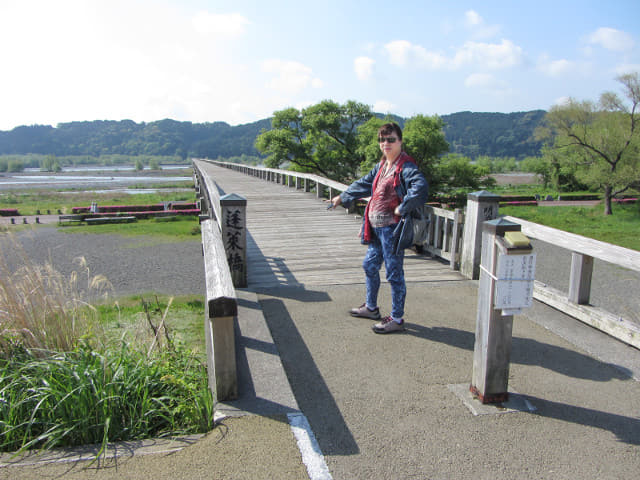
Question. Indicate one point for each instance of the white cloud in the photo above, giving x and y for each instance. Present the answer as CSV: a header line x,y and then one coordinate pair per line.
x,y
398,52
383,106
289,76
555,68
363,66
472,18
476,24
227,24
490,55
403,53
611,39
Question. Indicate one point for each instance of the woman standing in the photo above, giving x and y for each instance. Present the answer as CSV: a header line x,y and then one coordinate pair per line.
x,y
396,187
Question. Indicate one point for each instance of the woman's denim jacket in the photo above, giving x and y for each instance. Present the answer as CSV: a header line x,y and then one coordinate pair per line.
x,y
412,190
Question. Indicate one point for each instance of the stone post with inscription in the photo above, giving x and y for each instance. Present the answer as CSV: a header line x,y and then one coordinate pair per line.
x,y
233,223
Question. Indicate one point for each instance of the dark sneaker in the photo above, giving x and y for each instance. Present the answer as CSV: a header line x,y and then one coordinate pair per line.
x,y
364,312
388,325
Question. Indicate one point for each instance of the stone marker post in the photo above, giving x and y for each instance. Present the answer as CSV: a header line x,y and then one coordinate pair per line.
x,y
233,224
506,286
481,206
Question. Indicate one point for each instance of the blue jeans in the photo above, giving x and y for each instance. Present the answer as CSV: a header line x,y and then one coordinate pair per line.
x,y
380,249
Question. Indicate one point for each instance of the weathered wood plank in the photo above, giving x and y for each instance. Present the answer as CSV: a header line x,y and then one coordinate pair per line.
x,y
576,243
602,320
221,310
294,240
221,296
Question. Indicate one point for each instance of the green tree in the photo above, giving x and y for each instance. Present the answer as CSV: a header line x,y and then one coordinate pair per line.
x,y
601,141
422,138
154,164
139,165
457,174
538,165
15,166
320,139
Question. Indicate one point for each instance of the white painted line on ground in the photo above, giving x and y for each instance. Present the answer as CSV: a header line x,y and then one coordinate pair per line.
x,y
307,444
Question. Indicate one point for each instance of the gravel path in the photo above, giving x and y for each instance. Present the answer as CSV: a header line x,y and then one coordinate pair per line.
x,y
132,264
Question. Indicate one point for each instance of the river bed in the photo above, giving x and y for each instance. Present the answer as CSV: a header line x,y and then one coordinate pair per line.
x,y
95,179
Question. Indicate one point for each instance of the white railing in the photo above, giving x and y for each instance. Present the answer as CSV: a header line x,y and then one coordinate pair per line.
x,y
444,234
576,301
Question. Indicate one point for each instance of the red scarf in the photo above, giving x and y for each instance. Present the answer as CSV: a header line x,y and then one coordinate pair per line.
x,y
400,161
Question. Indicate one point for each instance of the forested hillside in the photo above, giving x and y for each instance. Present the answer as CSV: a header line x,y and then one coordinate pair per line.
x,y
493,134
470,134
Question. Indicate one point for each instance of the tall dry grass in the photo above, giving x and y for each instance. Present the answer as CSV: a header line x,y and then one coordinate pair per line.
x,y
41,309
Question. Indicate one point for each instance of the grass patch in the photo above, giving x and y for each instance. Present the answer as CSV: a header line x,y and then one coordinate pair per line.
x,y
88,397
75,373
28,203
131,318
622,228
179,228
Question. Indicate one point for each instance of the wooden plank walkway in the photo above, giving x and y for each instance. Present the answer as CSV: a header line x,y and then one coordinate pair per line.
x,y
293,240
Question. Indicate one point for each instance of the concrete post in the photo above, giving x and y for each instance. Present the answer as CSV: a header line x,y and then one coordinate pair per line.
x,y
481,206
234,236
492,350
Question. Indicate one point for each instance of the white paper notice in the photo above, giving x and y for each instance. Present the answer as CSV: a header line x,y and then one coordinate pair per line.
x,y
514,285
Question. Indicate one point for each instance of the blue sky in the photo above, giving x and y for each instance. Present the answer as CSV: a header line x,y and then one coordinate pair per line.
x,y
239,61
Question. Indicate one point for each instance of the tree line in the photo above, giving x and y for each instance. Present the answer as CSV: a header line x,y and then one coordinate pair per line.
x,y
573,146
590,145
469,134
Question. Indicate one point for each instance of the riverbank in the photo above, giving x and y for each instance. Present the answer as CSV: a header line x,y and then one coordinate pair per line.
x,y
92,179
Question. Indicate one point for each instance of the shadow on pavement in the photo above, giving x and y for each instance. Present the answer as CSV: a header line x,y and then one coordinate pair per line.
x,y
527,351
626,429
310,389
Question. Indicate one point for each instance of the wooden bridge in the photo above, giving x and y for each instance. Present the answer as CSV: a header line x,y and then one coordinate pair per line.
x,y
293,240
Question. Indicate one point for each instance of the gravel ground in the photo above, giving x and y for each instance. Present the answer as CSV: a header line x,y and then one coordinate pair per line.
x,y
132,264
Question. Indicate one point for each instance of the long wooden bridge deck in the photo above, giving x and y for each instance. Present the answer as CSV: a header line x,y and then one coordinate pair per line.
x,y
293,240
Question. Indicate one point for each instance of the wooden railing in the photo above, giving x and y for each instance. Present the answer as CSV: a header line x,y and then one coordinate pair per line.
x,y
444,234
576,301
444,229
221,307
453,235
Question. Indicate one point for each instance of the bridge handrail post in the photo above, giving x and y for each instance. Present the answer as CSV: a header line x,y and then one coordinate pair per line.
x,y
221,310
233,224
481,206
494,324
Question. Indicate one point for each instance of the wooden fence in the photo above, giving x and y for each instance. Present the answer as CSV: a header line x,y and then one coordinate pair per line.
x,y
221,307
444,227
576,302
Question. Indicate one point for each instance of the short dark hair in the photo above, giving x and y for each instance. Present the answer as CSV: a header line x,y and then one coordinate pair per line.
x,y
390,127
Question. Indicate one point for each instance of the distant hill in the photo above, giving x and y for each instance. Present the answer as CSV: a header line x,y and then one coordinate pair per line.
x,y
470,134
493,134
